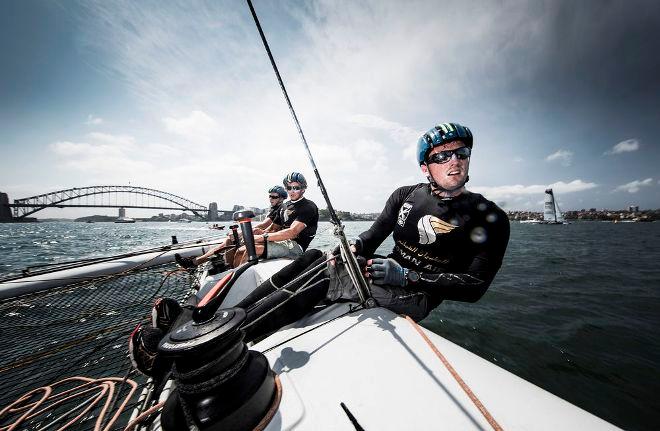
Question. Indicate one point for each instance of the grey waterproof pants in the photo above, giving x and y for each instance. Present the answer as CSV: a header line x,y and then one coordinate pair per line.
x,y
400,300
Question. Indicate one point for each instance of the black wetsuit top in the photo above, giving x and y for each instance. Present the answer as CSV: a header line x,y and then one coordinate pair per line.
x,y
456,244
304,211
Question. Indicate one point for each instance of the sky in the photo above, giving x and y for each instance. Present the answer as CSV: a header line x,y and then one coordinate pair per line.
x,y
181,97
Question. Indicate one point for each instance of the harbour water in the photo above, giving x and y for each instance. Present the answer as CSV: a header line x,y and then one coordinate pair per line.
x,y
575,308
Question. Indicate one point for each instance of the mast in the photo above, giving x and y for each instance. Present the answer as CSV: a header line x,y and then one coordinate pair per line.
x,y
349,258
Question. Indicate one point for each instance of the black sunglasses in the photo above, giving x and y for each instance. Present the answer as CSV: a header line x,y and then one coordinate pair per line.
x,y
274,196
294,188
444,156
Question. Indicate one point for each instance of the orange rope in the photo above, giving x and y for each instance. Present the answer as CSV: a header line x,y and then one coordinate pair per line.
x,y
145,414
273,407
47,391
491,420
105,388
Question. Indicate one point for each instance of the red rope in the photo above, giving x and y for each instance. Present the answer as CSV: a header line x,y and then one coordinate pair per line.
x,y
491,420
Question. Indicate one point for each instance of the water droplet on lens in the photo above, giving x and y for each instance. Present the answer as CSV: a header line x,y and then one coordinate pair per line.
x,y
491,218
478,235
481,207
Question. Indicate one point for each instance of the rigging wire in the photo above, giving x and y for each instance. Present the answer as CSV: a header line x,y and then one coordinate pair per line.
x,y
351,262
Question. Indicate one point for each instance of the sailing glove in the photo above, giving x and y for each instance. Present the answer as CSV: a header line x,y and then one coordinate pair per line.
x,y
387,271
185,262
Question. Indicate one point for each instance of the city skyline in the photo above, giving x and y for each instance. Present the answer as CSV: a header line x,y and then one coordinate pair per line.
x,y
180,97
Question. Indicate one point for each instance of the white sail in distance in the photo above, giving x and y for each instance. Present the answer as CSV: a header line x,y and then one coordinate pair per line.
x,y
551,212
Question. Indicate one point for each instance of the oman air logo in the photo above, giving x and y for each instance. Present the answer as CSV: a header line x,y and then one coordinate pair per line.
x,y
430,226
403,214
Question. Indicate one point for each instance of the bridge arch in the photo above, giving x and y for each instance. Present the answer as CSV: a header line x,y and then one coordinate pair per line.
x,y
60,198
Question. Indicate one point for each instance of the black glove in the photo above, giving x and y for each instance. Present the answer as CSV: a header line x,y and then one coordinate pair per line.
x,y
185,262
143,342
164,313
387,271
143,348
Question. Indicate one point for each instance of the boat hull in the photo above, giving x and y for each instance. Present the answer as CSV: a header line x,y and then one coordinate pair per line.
x,y
376,364
43,281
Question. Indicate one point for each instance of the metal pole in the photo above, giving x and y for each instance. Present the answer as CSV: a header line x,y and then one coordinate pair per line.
x,y
351,261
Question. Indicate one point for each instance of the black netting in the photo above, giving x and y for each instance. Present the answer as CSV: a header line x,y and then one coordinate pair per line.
x,y
79,330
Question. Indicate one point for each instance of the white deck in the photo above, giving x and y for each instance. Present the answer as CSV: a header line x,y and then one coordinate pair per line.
x,y
384,372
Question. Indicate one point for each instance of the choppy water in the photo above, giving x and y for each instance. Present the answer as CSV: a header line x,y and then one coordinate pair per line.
x,y
575,308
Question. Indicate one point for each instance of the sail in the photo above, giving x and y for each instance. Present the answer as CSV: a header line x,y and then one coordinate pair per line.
x,y
549,207
560,216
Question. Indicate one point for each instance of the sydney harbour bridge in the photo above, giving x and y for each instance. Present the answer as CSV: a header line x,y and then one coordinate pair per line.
x,y
102,197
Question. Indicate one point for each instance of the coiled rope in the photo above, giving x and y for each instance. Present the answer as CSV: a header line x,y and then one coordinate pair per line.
x,y
102,392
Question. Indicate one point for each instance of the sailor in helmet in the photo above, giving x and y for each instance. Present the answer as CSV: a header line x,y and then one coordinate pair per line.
x,y
293,227
448,244
276,196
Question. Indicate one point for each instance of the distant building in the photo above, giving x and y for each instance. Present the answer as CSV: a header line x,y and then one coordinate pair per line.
x,y
5,210
238,208
633,208
213,211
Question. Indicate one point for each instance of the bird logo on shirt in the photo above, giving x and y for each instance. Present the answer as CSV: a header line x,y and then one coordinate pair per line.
x,y
430,226
287,214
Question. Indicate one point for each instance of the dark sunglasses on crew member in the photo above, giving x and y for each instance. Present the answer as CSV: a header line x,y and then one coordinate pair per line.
x,y
294,188
274,196
445,156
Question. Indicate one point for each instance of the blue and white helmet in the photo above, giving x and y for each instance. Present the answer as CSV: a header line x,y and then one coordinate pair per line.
x,y
279,190
441,134
296,177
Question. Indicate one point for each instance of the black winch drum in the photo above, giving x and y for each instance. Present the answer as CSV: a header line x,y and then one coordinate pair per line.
x,y
221,385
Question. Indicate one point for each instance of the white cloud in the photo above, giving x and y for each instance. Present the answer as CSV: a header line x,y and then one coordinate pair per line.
x,y
564,157
513,191
164,150
198,126
634,186
202,75
401,134
98,145
104,157
120,141
93,121
624,147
